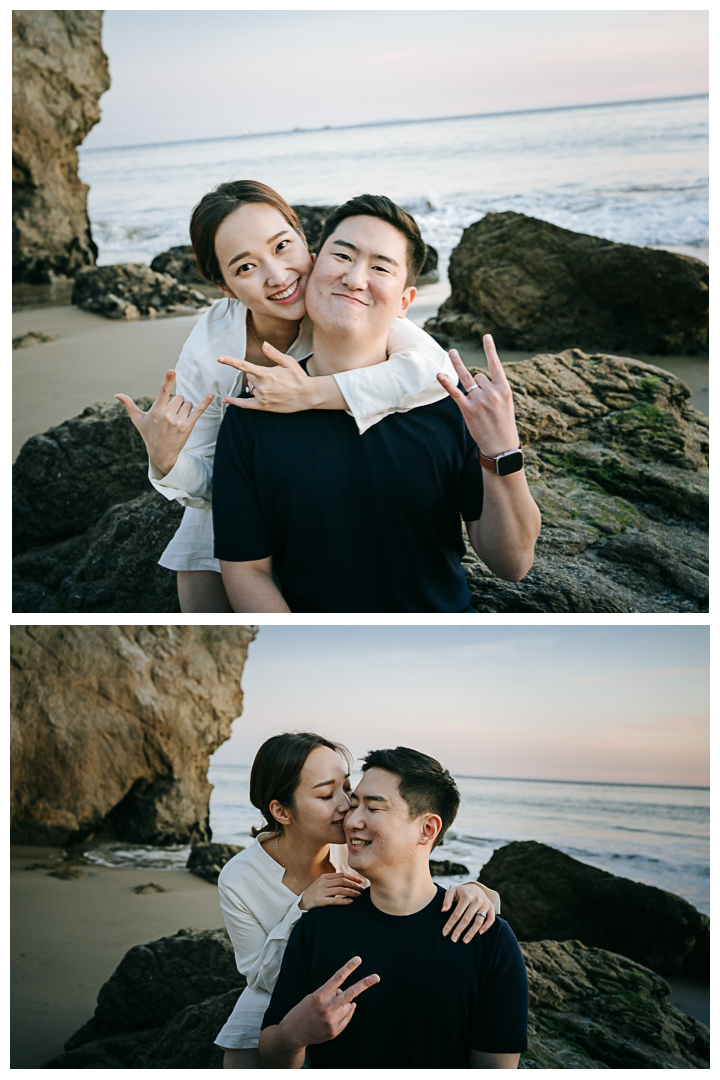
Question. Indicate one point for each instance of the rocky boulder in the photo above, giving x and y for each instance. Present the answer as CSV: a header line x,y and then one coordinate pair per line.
x,y
549,895
446,868
616,458
133,291
536,286
65,479
180,263
207,860
59,73
589,1009
112,728
154,982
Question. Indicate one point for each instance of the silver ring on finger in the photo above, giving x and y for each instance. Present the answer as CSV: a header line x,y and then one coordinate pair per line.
x,y
471,388
482,914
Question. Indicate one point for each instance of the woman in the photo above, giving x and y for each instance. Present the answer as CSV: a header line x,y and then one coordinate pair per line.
x,y
249,242
300,783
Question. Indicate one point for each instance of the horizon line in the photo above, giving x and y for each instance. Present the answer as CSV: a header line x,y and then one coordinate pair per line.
x,y
391,123
534,779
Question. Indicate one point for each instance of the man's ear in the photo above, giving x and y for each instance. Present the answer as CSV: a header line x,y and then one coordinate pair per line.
x,y
406,300
431,827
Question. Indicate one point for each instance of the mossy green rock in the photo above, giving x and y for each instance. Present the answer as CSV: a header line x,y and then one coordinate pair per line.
x,y
617,461
593,1009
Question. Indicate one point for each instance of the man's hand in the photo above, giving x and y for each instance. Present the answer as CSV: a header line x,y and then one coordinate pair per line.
x,y
488,406
284,388
166,426
318,1018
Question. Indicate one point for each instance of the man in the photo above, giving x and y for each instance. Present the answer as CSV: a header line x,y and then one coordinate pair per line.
x,y
420,1001
371,522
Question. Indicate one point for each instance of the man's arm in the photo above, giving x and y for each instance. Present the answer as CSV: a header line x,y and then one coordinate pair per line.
x,y
509,525
318,1018
250,586
480,1060
505,535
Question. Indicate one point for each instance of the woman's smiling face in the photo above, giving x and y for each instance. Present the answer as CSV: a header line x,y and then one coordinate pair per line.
x,y
321,799
264,262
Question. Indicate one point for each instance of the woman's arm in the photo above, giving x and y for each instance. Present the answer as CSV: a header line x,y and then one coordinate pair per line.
x,y
258,954
406,380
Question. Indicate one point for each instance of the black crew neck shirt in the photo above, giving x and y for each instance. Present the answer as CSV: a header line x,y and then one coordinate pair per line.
x,y
436,999
366,523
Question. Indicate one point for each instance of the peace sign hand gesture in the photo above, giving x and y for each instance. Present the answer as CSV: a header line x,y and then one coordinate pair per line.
x,y
166,426
487,405
321,1016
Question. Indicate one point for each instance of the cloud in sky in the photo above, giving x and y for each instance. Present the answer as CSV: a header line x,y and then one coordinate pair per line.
x,y
613,703
193,74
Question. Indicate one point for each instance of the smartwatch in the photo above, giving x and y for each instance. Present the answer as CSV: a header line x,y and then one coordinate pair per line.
x,y
503,464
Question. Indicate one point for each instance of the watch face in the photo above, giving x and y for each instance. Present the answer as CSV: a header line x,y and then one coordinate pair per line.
x,y
510,463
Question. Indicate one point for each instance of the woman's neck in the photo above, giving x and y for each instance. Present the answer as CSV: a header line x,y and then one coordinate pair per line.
x,y
279,332
301,858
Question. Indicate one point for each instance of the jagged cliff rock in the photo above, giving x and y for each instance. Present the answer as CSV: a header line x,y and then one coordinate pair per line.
x,y
59,74
533,285
112,728
653,927
589,1009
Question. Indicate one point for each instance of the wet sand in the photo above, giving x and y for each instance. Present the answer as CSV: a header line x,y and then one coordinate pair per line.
x,y
67,938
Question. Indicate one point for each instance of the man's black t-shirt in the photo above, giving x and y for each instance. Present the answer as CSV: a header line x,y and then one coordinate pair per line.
x,y
353,522
436,999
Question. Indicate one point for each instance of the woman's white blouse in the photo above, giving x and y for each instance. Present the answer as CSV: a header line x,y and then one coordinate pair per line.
x,y
405,381
260,913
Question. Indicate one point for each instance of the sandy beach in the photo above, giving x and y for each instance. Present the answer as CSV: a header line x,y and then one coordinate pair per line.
x,y
69,936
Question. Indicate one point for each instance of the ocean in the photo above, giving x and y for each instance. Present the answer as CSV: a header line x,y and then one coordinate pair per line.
x,y
636,173
656,835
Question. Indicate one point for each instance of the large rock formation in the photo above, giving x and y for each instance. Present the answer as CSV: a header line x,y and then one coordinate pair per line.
x,y
589,1009
536,286
112,729
134,291
59,74
547,894
616,458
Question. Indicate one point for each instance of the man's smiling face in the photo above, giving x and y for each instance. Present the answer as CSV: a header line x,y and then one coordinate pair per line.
x,y
378,828
358,282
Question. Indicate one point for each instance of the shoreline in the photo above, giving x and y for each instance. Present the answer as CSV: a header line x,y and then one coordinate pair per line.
x,y
67,938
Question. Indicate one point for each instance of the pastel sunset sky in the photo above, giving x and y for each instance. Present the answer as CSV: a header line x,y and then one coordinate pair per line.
x,y
618,703
180,75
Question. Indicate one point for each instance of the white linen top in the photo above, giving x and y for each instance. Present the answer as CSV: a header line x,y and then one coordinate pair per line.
x,y
406,380
260,913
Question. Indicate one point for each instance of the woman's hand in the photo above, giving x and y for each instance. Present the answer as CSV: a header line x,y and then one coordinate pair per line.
x,y
331,889
473,912
167,424
488,406
284,388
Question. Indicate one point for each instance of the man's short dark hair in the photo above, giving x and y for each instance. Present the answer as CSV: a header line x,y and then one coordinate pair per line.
x,y
380,206
425,786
